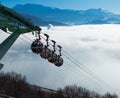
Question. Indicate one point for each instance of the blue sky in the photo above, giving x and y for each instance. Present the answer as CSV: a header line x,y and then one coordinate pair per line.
x,y
111,5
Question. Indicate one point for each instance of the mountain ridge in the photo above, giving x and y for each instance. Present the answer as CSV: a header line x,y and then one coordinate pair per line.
x,y
68,16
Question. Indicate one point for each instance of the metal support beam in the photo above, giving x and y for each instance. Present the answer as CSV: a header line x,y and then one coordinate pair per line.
x,y
1,66
6,44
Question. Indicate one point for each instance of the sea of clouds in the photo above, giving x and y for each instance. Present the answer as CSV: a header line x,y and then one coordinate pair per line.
x,y
97,47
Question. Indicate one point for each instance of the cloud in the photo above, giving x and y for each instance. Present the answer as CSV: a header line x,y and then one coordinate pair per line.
x,y
95,46
88,39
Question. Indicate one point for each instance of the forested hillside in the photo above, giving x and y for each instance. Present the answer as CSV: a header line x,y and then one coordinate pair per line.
x,y
16,85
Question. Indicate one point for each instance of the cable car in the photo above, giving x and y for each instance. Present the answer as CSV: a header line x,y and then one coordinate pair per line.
x,y
37,46
59,61
45,52
53,57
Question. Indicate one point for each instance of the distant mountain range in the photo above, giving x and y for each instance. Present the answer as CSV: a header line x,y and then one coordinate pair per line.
x,y
38,21
42,15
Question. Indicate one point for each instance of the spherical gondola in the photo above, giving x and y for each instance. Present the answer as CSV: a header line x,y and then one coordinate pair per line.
x,y
53,57
45,53
37,46
59,61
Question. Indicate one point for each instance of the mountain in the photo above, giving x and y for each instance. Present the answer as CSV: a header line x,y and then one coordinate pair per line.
x,y
68,16
38,21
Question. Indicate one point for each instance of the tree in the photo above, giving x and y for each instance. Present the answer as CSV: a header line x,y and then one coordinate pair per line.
x,y
108,95
79,92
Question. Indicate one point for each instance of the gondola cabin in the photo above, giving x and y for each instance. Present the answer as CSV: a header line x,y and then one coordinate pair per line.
x,y
59,61
53,57
37,46
45,53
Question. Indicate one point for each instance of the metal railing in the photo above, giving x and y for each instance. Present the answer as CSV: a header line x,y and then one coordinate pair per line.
x,y
19,91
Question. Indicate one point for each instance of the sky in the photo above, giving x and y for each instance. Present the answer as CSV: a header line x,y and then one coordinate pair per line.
x,y
111,5
94,46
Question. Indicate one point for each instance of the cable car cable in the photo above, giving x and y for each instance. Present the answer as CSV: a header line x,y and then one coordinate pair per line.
x,y
70,67
84,68
89,73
